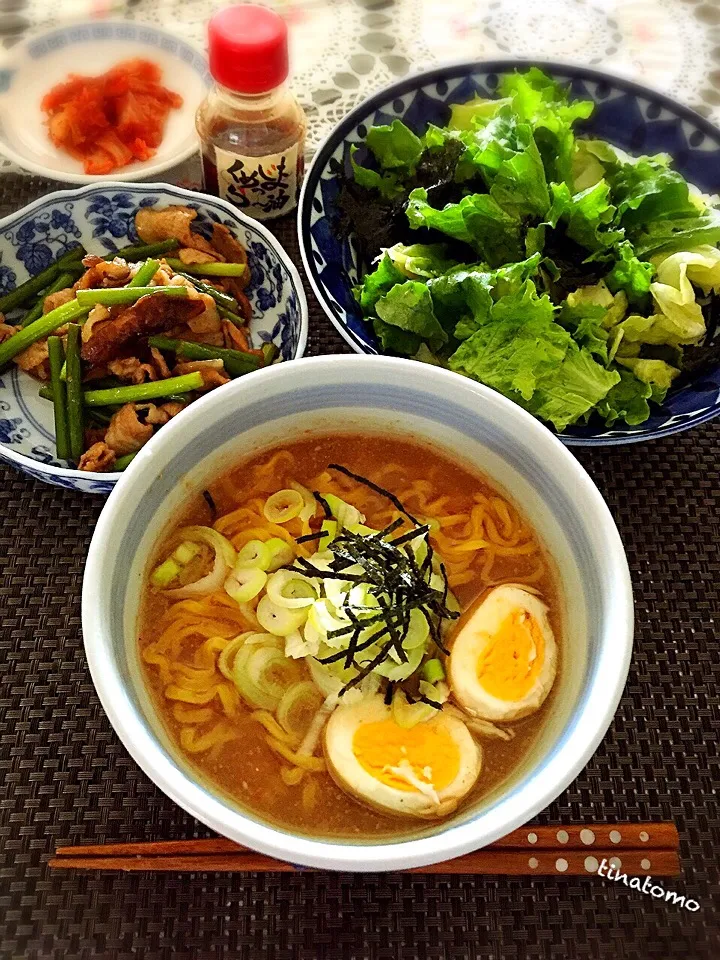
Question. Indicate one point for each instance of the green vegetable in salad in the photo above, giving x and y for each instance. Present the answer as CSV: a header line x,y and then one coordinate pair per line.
x,y
562,271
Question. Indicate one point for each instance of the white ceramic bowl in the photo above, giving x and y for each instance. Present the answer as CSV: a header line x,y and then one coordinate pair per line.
x,y
92,47
359,394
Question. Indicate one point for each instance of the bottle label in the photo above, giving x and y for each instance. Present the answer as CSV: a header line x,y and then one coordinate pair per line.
x,y
262,187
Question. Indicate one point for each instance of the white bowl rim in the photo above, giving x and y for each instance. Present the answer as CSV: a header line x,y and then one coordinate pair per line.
x,y
600,705
194,196
145,168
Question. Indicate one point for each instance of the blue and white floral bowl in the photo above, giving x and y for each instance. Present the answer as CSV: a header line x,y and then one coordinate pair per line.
x,y
629,115
102,218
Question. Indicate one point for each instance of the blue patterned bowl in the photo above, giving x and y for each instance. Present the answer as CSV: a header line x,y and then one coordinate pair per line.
x,y
102,218
628,115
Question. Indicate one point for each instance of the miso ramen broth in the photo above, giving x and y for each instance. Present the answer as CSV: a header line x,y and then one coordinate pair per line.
x,y
352,636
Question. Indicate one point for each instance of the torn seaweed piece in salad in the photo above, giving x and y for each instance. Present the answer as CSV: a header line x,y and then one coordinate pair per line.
x,y
560,270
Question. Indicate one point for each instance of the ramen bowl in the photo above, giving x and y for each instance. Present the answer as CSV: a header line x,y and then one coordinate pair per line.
x,y
467,422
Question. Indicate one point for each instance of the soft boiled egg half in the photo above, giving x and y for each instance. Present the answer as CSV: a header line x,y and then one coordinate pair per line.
x,y
503,659
424,770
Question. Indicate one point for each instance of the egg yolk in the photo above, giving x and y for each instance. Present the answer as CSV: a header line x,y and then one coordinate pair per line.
x,y
432,755
511,661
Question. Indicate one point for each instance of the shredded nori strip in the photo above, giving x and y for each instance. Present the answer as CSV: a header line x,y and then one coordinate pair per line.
x,y
402,586
210,502
312,536
324,504
373,486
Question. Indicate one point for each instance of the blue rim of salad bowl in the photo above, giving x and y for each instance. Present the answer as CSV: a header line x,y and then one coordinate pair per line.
x,y
573,71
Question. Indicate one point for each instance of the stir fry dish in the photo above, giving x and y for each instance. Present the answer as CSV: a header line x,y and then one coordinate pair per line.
x,y
574,278
125,341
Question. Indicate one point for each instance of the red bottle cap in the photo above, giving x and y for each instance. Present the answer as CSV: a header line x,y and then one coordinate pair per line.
x,y
248,48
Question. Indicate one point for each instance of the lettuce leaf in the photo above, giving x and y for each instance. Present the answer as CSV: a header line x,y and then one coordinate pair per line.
x,y
584,324
588,215
627,400
395,340
409,306
504,152
477,220
386,183
395,147
420,259
545,105
376,284
670,235
515,347
631,275
645,190
464,297
573,389
474,113
657,373
701,266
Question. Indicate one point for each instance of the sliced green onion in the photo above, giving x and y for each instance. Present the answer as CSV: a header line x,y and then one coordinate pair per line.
x,y
322,621
291,590
119,296
298,706
228,653
163,575
245,583
418,631
224,559
283,506
140,392
407,714
396,671
281,553
255,553
266,666
433,670
171,568
330,529
309,501
213,269
344,513
280,621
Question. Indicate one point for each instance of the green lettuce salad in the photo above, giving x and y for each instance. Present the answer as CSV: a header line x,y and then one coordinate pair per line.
x,y
575,279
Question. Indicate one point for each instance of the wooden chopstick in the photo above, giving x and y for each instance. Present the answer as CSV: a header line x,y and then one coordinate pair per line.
x,y
619,836
636,849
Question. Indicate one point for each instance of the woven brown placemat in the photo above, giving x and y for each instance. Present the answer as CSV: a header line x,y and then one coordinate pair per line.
x,y
65,778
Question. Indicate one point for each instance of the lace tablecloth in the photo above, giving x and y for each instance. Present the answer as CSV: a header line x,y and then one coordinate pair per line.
x,y
344,49
65,777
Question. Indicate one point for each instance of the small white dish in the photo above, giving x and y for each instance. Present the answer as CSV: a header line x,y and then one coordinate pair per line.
x,y
43,60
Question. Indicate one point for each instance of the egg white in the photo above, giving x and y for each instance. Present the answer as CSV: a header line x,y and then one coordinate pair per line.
x,y
471,639
351,776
